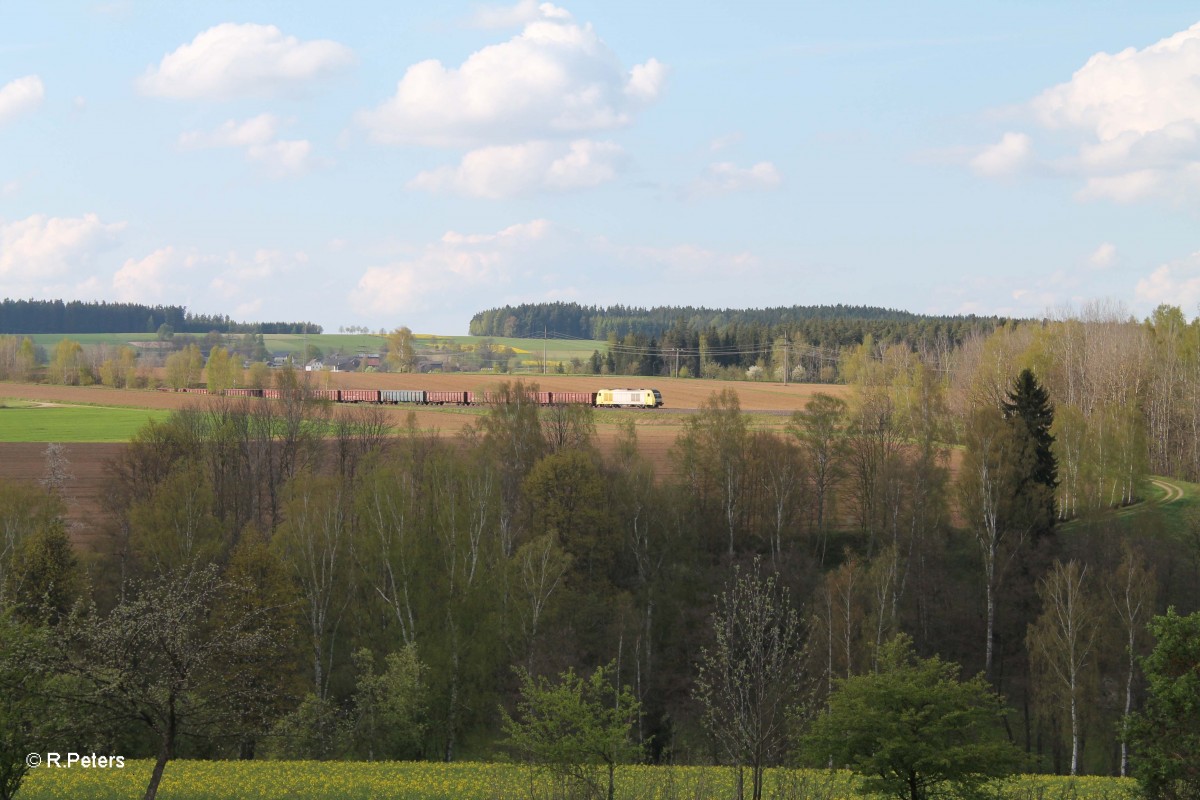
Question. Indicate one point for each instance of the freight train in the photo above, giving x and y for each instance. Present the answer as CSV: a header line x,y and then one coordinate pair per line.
x,y
603,398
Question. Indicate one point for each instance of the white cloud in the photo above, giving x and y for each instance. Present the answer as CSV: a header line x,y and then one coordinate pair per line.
x,y
279,157
1135,116
1127,188
522,13
283,157
726,177
1176,283
242,60
214,280
144,280
1103,256
1009,155
455,264
554,79
508,170
1135,91
254,131
20,96
41,247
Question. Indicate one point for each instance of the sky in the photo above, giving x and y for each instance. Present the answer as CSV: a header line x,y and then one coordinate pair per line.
x,y
401,163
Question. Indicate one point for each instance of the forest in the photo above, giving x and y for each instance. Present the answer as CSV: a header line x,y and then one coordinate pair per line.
x,y
75,316
989,503
827,326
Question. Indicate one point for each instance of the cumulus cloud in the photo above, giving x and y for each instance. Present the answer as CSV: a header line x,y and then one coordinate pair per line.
x,y
20,96
144,279
242,60
724,177
517,15
555,79
454,264
1135,116
1139,92
1009,155
508,170
1176,283
40,247
256,136
214,280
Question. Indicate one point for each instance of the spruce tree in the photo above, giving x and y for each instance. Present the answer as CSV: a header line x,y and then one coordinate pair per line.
x,y
1028,406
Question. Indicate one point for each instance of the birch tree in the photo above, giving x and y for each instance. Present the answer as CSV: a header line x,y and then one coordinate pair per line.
x,y
1131,591
1061,644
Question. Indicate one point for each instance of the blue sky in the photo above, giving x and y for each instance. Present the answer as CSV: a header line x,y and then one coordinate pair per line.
x,y
387,164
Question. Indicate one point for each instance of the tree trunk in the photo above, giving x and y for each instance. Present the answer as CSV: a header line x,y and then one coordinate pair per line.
x,y
991,624
165,750
1074,734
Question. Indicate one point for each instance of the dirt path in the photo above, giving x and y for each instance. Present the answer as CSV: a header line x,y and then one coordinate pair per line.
x,y
1172,492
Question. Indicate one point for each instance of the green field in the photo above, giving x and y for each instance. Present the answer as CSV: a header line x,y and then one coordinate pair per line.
x,y
1168,506
346,342
310,780
528,351
25,421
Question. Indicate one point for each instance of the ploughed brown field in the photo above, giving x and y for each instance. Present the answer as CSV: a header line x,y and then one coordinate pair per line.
x,y
657,429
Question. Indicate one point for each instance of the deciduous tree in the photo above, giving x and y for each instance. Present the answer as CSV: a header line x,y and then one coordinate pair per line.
x,y
401,357
912,729
1061,644
580,728
156,661
748,679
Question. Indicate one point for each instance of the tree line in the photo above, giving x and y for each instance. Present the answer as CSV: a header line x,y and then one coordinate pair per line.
x,y
828,326
75,316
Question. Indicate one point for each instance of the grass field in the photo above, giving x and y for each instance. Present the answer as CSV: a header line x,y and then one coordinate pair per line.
x,y
25,421
308,780
1169,505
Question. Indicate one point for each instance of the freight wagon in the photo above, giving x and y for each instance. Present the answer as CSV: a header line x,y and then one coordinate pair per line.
x,y
604,398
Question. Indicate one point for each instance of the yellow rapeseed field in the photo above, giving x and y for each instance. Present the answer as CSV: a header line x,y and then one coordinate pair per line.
x,y
313,780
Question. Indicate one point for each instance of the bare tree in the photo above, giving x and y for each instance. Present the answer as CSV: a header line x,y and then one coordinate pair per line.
x,y
818,429
568,426
315,542
712,454
749,679
1131,589
992,464
1061,641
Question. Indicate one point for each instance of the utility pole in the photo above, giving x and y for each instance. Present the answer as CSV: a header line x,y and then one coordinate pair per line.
x,y
545,363
786,352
